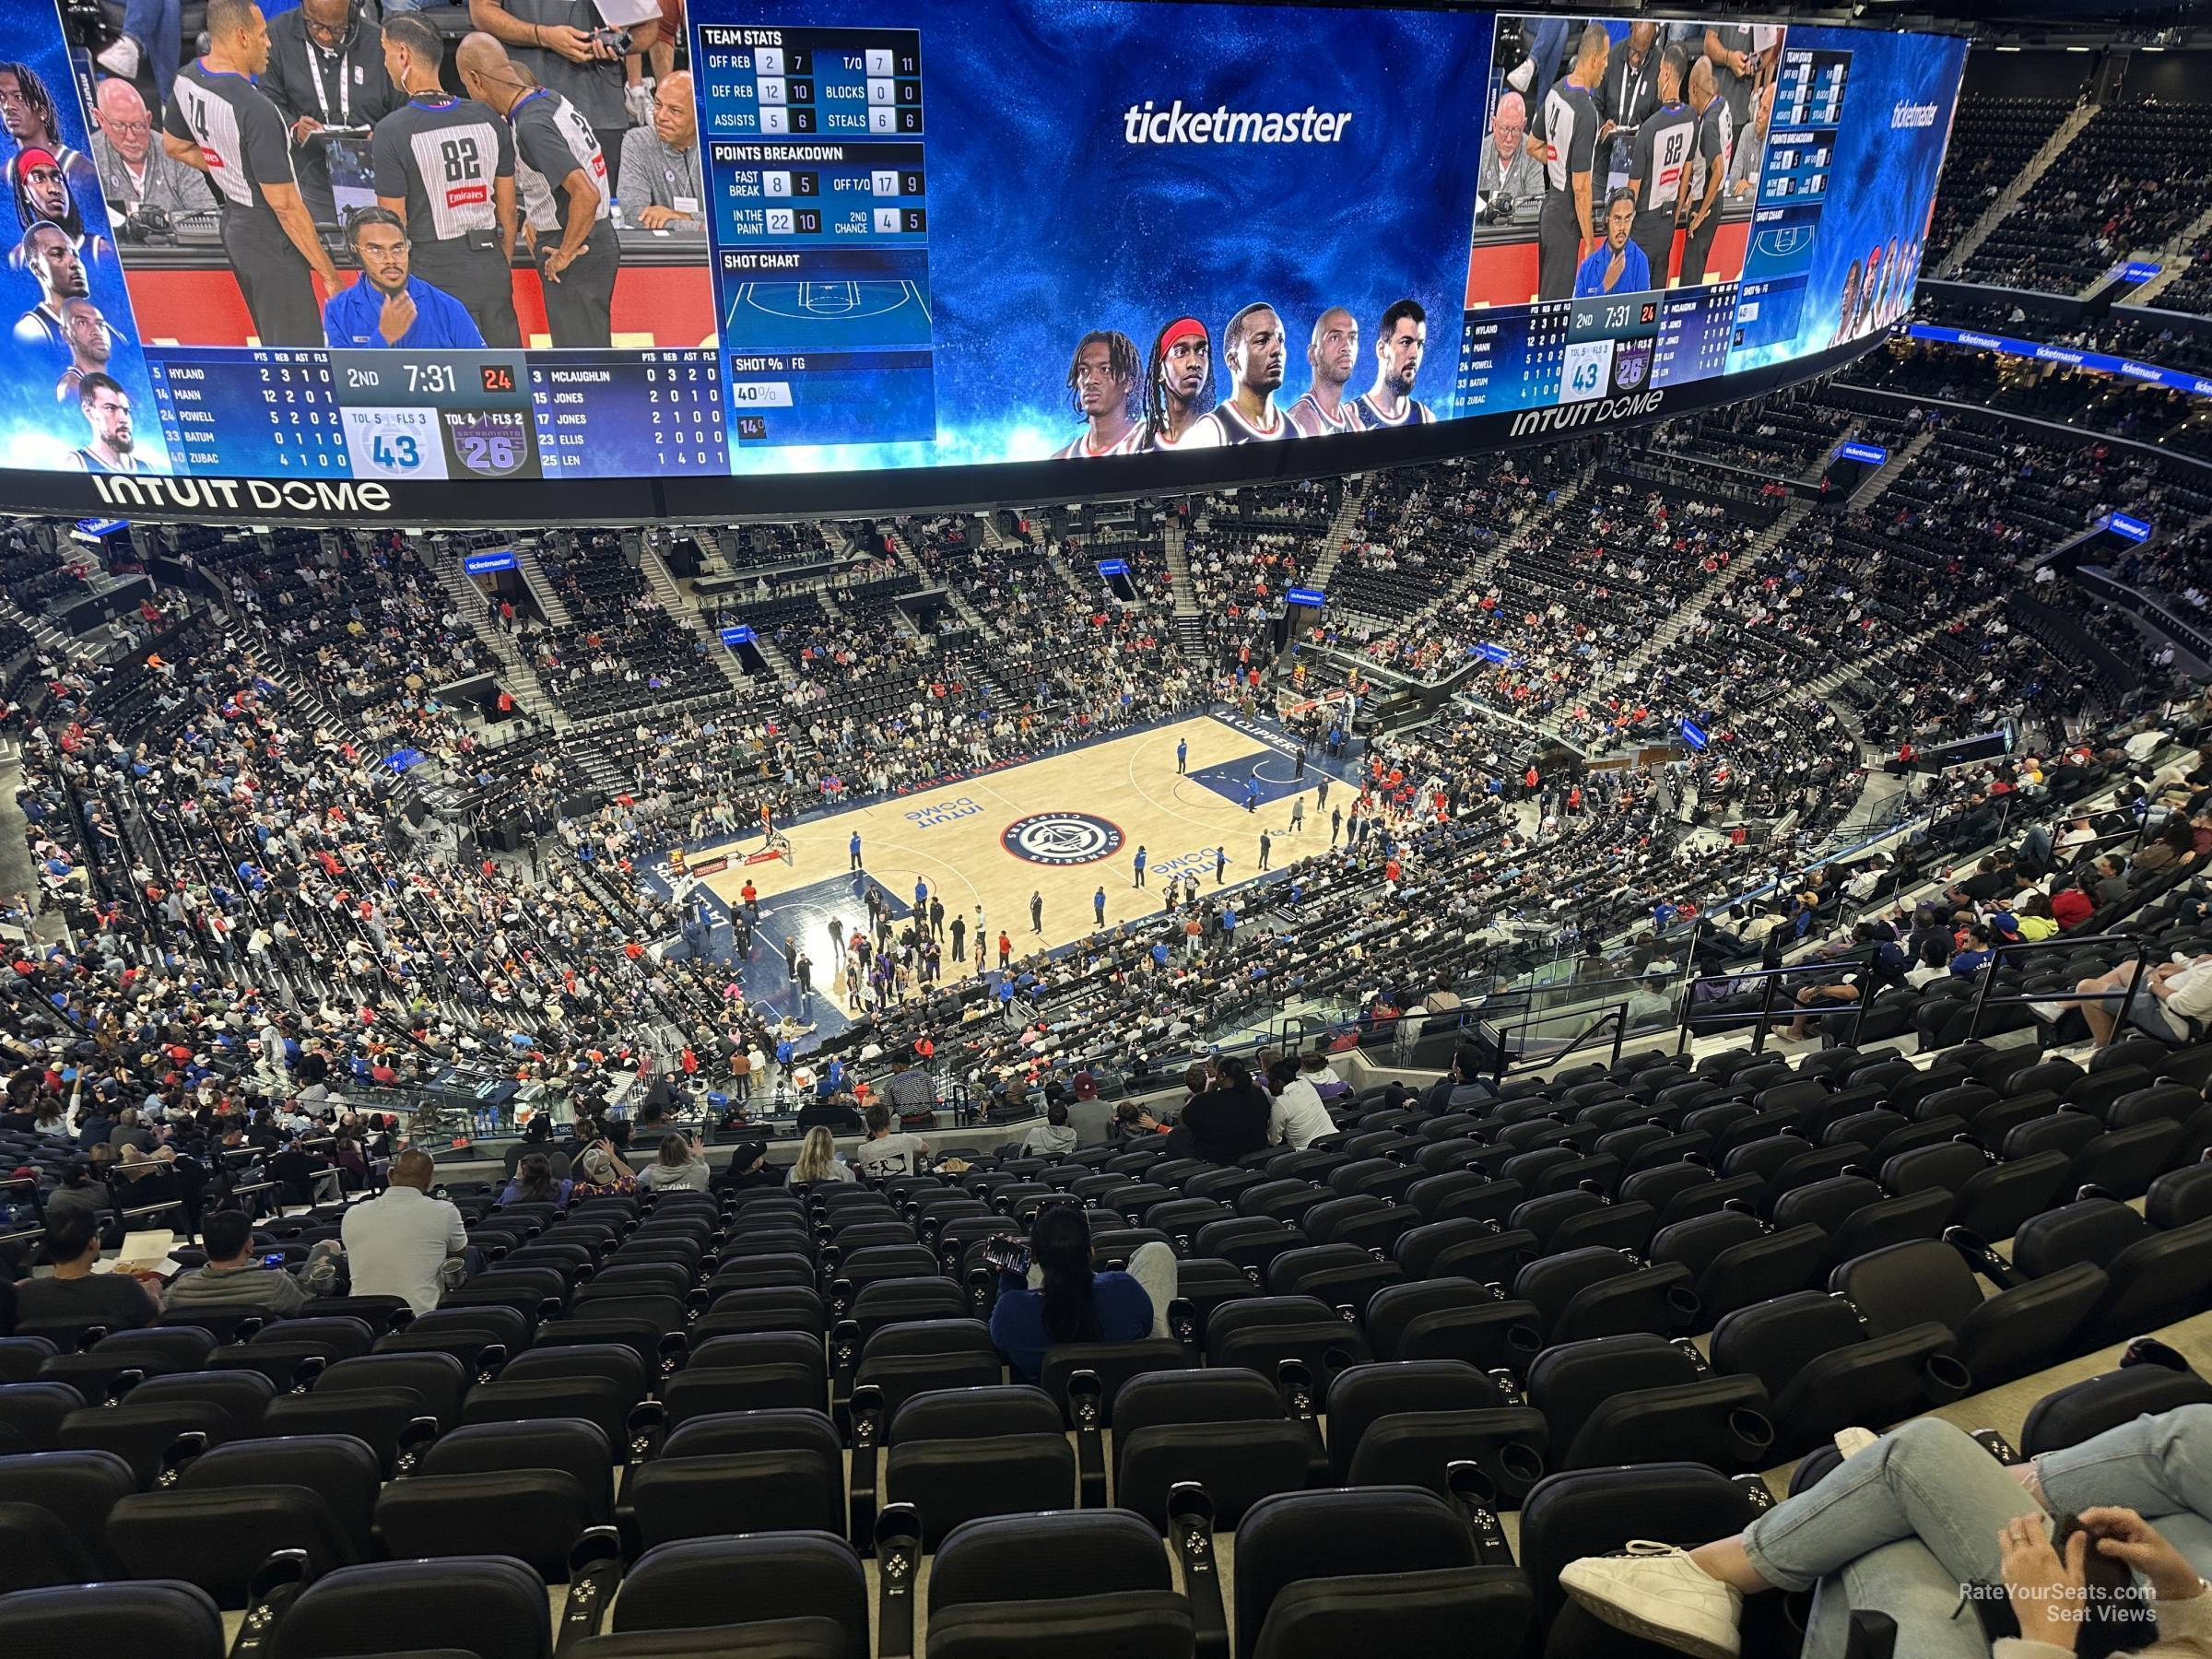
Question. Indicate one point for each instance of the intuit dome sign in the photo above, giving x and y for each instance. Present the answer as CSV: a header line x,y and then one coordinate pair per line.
x,y
243,495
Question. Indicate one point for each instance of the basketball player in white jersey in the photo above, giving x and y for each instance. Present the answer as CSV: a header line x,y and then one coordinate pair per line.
x,y
1334,353
1399,344
1253,347
1179,378
1101,382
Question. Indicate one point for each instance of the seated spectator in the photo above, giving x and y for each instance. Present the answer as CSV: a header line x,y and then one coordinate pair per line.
x,y
748,1168
2077,902
73,1294
1225,1121
1055,1137
1976,952
236,1280
404,1242
819,1160
1132,1119
1323,1076
533,1183
77,1194
1906,1524
2171,1004
602,1173
1049,1294
1298,1118
885,1154
680,1166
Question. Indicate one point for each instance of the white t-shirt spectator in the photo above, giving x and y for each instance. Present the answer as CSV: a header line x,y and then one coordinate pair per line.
x,y
890,1155
1298,1116
397,1245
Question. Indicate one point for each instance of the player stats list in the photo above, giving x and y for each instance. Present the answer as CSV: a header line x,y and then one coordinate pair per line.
x,y
818,181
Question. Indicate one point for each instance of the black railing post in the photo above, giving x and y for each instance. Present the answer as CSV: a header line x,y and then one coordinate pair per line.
x,y
2127,1000
1766,1009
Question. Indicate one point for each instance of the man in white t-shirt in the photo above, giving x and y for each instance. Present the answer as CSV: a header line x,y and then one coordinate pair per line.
x,y
884,1154
405,1243
1298,1118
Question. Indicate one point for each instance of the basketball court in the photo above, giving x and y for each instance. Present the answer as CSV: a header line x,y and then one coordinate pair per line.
x,y
1062,826
828,315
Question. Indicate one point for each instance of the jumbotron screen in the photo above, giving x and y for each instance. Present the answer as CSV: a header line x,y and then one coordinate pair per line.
x,y
916,253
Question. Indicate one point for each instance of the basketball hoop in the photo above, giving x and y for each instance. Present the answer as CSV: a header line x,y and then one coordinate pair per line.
x,y
779,846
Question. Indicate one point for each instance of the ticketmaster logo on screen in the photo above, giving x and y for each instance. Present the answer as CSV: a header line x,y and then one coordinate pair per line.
x,y
1176,125
1912,115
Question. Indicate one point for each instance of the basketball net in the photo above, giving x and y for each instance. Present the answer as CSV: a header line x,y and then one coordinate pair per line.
x,y
1291,705
779,846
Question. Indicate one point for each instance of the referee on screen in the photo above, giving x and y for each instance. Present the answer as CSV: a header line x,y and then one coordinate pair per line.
x,y
220,123
563,174
445,165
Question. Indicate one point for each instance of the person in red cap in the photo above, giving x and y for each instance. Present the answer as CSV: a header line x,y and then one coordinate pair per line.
x,y
1179,378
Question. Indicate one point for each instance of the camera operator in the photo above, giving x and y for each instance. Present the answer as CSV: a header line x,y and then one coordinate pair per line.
x,y
565,46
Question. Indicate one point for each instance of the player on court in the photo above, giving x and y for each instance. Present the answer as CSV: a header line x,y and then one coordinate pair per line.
x,y
1334,353
1253,347
1656,161
221,123
1178,383
563,175
1399,343
445,165
1570,149
1101,382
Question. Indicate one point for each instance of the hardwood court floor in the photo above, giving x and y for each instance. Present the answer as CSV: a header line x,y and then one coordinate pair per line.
x,y
1063,826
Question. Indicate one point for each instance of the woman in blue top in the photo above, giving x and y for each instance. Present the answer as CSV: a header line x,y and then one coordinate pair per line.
x,y
1056,1298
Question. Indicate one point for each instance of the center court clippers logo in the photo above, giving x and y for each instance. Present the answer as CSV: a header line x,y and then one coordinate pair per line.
x,y
1062,838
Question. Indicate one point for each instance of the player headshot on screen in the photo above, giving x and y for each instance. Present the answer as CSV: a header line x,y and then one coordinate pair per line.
x,y
1847,307
389,307
1893,284
562,171
1253,349
1101,382
221,122
107,409
90,341
1707,171
27,111
1333,353
1570,123
1400,340
445,165
1657,158
42,192
48,255
1618,265
1509,187
1178,383
1870,288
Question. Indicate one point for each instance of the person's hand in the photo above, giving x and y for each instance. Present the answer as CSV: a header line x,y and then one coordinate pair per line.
x,y
1740,62
574,45
396,318
654,215
2046,1593
1615,267
303,126
554,261
2124,1535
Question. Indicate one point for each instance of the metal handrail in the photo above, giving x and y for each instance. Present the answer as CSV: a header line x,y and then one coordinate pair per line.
x,y
1617,1015
2139,949
1765,1017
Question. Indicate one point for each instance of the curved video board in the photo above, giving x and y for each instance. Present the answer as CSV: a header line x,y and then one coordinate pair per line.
x,y
868,255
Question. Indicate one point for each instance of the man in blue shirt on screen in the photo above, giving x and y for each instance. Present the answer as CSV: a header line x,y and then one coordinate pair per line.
x,y
389,308
1616,265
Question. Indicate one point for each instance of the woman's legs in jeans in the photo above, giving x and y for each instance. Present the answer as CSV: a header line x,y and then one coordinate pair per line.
x,y
1905,1523
2160,1466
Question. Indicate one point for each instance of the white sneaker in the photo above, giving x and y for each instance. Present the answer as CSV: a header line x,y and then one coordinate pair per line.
x,y
1852,1441
1521,74
121,59
1657,1593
